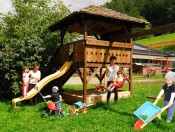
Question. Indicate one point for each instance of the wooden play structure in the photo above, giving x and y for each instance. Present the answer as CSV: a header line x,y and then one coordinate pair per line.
x,y
109,29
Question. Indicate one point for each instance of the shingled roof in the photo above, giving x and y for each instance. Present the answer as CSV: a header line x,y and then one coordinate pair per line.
x,y
98,16
143,50
108,13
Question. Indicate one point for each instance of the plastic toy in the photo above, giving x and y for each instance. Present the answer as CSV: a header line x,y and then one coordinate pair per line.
x,y
57,109
77,106
100,88
146,113
52,107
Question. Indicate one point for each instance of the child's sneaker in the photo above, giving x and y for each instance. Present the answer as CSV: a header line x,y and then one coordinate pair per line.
x,y
116,102
109,89
108,103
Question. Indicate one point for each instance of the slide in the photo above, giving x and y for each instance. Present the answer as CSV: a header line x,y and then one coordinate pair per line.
x,y
43,82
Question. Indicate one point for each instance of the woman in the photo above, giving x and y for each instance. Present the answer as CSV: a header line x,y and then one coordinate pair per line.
x,y
111,72
35,76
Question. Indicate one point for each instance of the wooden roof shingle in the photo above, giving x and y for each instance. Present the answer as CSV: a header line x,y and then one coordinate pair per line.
x,y
98,20
108,13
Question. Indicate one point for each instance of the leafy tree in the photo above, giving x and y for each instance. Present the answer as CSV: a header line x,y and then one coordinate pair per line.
x,y
170,11
125,6
157,12
24,39
152,10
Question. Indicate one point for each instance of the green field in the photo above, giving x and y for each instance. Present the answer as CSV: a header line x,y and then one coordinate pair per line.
x,y
155,39
99,118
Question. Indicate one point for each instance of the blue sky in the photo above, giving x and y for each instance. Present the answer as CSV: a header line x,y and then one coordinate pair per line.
x,y
6,5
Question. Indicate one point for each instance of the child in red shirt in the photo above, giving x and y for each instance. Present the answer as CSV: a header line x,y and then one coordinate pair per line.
x,y
117,82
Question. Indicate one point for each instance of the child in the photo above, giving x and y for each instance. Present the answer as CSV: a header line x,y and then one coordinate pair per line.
x,y
169,91
56,97
25,81
117,82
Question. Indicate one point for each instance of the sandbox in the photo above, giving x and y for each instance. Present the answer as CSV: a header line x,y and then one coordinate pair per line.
x,y
93,96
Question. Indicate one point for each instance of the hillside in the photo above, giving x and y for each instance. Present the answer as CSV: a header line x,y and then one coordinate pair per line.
x,y
156,39
166,41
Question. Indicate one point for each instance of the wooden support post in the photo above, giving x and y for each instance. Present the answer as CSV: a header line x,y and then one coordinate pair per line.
x,y
85,65
63,32
101,76
95,74
79,73
92,75
130,71
84,77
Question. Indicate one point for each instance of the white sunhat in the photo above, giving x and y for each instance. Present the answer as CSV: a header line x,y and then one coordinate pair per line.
x,y
170,75
55,87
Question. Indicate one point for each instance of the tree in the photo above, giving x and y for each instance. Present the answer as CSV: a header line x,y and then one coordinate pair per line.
x,y
24,39
157,12
129,7
154,12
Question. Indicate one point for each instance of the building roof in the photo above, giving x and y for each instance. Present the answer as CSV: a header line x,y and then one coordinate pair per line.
x,y
98,19
108,13
143,50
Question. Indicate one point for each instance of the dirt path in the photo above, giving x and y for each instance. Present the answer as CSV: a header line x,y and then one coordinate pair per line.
x,y
77,80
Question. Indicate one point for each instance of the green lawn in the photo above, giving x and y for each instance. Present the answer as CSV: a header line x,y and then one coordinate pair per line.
x,y
155,39
99,118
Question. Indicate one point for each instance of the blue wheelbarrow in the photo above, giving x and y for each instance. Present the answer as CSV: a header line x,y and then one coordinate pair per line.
x,y
146,113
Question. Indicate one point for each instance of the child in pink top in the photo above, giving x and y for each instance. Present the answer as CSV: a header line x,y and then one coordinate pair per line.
x,y
117,82
25,81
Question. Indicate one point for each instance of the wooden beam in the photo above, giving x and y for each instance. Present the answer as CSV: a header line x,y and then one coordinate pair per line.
x,y
156,30
85,67
90,65
63,32
130,73
94,73
109,44
103,75
79,73
96,36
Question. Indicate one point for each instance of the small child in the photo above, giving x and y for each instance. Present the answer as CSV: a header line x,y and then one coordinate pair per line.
x,y
25,81
169,90
117,82
56,97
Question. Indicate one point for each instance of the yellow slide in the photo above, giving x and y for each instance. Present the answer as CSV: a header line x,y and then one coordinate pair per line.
x,y
43,82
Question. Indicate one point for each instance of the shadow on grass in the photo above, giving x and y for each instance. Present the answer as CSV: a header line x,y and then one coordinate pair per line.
x,y
112,108
162,124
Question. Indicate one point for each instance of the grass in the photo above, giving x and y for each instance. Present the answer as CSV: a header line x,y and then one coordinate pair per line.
x,y
99,118
155,39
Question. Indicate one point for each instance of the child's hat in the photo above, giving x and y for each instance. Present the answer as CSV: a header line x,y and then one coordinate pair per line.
x,y
170,75
55,87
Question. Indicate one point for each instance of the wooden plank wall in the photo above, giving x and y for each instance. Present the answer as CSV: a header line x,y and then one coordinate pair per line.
x,y
102,55
78,52
63,54
99,51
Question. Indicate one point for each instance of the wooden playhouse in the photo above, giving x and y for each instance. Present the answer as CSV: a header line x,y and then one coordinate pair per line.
x,y
105,25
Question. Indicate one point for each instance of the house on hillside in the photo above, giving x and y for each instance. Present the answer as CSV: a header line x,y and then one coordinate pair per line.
x,y
143,57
